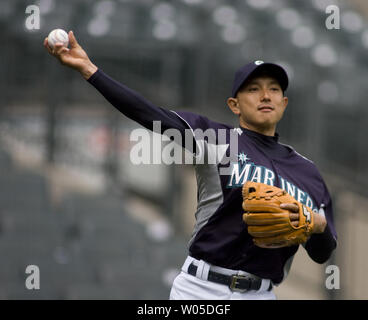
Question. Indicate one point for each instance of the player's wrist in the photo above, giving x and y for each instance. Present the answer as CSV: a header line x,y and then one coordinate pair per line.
x,y
320,223
88,70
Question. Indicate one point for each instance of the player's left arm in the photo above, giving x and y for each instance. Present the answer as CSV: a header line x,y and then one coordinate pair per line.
x,y
322,242
320,221
321,245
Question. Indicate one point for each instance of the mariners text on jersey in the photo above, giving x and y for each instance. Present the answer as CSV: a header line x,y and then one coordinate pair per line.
x,y
248,171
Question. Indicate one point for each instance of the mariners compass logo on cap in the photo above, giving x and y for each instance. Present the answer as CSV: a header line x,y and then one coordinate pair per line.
x,y
246,71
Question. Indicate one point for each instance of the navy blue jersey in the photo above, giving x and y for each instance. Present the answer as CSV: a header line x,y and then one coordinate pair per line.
x,y
220,237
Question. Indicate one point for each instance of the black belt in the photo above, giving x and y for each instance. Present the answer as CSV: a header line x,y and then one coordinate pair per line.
x,y
235,282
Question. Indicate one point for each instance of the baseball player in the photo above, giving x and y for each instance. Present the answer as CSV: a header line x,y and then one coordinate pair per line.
x,y
226,259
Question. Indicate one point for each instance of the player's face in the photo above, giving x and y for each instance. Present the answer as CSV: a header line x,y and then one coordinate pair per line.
x,y
260,105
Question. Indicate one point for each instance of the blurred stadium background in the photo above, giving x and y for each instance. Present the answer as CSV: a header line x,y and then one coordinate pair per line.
x,y
99,227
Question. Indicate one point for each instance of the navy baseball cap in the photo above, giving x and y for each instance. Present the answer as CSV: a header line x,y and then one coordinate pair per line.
x,y
249,69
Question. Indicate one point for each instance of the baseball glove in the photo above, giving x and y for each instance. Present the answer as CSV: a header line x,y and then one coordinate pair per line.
x,y
270,225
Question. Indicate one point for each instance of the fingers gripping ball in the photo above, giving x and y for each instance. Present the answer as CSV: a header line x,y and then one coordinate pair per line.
x,y
58,35
270,225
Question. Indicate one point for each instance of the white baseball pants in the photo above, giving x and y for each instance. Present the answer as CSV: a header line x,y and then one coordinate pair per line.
x,y
188,287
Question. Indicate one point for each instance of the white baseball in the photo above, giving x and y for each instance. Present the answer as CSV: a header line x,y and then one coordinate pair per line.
x,y
58,35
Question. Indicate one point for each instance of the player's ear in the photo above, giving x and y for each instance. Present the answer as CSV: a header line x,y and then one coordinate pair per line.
x,y
286,101
233,105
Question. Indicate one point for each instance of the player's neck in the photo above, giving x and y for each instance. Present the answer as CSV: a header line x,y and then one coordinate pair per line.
x,y
266,131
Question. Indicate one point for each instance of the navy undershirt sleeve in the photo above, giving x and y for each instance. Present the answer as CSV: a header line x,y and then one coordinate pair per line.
x,y
320,246
133,105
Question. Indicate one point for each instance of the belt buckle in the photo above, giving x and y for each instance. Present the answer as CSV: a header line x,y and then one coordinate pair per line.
x,y
235,281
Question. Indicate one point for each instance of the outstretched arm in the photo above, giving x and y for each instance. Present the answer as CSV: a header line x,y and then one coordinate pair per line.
x,y
126,100
74,57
